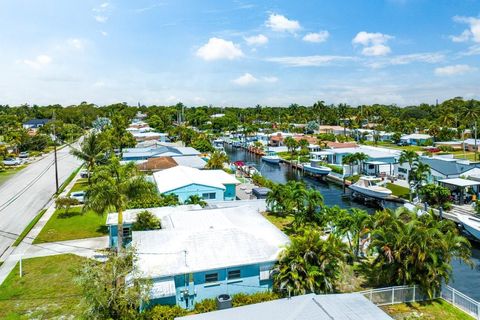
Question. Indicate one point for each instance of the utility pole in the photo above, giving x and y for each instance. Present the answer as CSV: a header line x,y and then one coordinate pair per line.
x,y
55,153
476,147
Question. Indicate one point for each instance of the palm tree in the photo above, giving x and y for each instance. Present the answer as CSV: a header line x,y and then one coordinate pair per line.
x,y
196,199
419,174
354,225
309,264
91,152
217,159
349,160
310,211
360,158
113,187
415,249
291,144
408,156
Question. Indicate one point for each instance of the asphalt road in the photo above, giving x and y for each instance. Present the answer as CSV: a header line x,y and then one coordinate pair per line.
x,y
28,191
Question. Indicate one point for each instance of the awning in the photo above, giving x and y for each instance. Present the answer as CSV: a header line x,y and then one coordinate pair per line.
x,y
459,182
163,288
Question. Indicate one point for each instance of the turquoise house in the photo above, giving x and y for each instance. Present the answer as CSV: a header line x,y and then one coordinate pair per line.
x,y
210,185
203,253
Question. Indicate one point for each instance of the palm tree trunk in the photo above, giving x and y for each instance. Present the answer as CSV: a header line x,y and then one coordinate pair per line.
x,y
120,231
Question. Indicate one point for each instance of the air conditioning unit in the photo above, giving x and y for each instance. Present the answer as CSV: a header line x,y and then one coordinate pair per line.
x,y
224,301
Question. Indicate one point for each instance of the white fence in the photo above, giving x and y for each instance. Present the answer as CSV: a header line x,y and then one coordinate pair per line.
x,y
406,294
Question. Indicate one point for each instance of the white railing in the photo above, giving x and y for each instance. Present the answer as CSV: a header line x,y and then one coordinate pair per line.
x,y
461,301
406,294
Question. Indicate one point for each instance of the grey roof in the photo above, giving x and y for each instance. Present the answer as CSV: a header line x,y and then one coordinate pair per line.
x,y
163,151
447,167
190,161
347,306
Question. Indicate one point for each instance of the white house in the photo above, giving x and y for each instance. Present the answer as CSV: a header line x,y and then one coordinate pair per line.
x,y
415,139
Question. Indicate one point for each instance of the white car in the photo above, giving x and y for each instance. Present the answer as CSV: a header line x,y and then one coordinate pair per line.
x,y
12,162
79,195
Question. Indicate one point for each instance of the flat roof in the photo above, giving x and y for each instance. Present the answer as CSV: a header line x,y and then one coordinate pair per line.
x,y
342,306
207,239
459,182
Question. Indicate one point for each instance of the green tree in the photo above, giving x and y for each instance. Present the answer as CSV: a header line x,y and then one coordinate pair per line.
x,y
291,144
196,199
435,195
91,152
113,186
146,221
309,264
408,156
106,294
217,159
415,249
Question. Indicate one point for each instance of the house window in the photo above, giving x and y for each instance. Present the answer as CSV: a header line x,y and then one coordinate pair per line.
x,y
126,232
233,274
210,195
211,277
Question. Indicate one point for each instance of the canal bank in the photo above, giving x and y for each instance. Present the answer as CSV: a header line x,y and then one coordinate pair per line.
x,y
465,279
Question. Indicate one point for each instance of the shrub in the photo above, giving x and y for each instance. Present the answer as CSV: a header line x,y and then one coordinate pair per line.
x,y
146,221
445,148
241,299
65,203
206,305
154,201
435,195
326,137
161,312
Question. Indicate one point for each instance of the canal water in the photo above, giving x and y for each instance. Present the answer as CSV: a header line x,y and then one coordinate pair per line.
x,y
465,279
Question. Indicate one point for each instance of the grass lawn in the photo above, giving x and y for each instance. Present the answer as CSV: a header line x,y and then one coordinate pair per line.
x,y
398,191
281,223
467,155
394,146
430,310
73,225
45,291
80,185
29,227
9,171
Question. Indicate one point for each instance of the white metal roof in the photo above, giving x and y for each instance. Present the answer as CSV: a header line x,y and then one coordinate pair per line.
x,y
346,306
190,161
459,182
181,176
207,239
415,136
163,288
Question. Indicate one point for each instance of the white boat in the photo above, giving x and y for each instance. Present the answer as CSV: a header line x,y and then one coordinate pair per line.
x,y
367,186
471,225
316,167
218,145
271,157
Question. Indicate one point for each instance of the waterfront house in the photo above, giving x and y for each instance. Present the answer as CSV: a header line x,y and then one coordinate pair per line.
x,y
211,185
470,145
454,145
136,154
415,139
336,130
141,136
369,135
446,167
380,160
203,253
340,306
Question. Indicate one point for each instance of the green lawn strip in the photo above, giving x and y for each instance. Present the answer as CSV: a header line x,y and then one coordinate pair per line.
x,y
73,225
69,179
280,222
45,291
398,191
80,185
29,227
431,310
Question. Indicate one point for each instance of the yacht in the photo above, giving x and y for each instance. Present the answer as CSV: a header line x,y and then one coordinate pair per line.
x,y
271,157
471,225
367,186
218,145
315,167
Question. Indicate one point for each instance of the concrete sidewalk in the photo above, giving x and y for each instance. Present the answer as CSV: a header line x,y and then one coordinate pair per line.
x,y
82,247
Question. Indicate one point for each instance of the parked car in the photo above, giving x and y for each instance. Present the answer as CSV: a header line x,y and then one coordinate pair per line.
x,y
12,162
84,174
23,155
79,195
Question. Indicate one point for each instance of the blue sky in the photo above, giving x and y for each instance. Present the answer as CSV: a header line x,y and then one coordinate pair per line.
x,y
239,52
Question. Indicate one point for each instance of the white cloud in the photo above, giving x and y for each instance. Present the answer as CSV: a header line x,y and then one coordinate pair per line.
x,y
316,37
104,33
454,70
374,43
270,79
426,57
101,19
472,51
472,33
310,61
245,80
216,49
39,62
256,40
280,23
76,43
